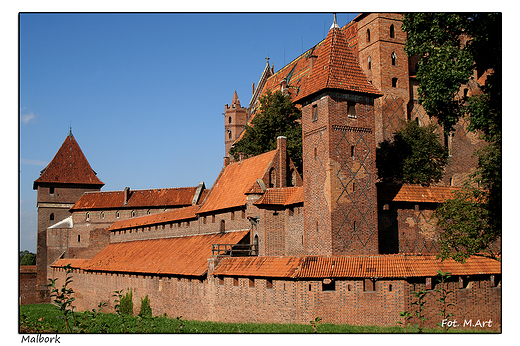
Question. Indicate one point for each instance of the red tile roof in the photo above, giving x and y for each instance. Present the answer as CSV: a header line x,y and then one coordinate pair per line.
x,y
176,197
235,180
336,67
74,262
170,256
380,266
69,166
414,193
258,266
281,196
178,214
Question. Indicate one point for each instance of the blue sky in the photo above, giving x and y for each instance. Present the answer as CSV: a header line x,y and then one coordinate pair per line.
x,y
143,93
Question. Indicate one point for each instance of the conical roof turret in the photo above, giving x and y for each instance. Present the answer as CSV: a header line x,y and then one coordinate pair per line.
x,y
69,166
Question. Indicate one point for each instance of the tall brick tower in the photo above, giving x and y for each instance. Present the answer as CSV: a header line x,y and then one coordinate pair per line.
x,y
338,152
59,186
383,60
235,119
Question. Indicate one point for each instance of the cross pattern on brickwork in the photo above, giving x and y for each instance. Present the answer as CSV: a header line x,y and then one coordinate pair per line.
x,y
417,244
315,174
356,197
391,110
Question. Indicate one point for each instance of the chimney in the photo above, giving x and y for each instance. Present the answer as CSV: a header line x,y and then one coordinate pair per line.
x,y
227,161
282,159
312,61
127,195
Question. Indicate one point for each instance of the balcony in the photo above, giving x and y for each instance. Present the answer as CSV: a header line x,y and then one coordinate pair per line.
x,y
234,250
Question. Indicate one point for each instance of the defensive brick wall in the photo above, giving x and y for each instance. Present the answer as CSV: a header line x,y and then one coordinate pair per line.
x,y
242,299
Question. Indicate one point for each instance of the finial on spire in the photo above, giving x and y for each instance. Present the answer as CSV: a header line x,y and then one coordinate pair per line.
x,y
267,59
70,131
335,24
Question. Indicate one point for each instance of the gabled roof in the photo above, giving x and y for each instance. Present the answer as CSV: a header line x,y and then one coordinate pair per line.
x,y
179,214
235,180
168,197
414,193
336,67
281,196
170,256
379,266
69,166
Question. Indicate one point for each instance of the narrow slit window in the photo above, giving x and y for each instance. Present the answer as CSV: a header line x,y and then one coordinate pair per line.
x,y
392,31
314,112
369,63
394,58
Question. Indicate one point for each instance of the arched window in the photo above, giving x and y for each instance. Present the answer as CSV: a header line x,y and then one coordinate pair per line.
x,y
272,177
368,35
229,120
102,215
133,213
87,216
369,63
392,31
394,58
51,217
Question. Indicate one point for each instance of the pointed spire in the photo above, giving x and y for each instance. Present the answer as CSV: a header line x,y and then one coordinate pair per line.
x,y
235,101
335,24
69,166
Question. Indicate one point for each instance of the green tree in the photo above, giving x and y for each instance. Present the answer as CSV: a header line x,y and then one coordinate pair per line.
x,y
277,116
451,47
27,258
414,156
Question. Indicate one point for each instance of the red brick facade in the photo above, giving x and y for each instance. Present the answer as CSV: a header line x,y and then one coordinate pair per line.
x,y
354,88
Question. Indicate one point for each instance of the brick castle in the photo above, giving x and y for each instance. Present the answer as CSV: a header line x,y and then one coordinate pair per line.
x,y
265,244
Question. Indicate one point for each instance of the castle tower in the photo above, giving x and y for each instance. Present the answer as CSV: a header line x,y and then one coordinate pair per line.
x,y
59,186
235,118
338,125
383,60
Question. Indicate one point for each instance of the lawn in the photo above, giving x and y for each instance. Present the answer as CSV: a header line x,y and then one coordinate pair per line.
x,y
41,318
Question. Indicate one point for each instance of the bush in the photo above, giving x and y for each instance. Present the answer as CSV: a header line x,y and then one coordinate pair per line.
x,y
146,310
126,304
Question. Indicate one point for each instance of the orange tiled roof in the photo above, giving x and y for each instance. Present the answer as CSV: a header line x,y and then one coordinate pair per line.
x,y
178,214
74,262
336,67
182,196
69,166
282,196
380,266
414,193
172,256
258,266
235,180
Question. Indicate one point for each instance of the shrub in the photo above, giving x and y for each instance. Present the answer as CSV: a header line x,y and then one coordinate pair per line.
x,y
126,304
146,310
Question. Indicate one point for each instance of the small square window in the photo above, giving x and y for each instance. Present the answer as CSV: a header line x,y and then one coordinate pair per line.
x,y
328,285
269,283
351,110
394,82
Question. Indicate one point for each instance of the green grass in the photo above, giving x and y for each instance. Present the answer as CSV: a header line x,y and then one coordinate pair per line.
x,y
46,318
